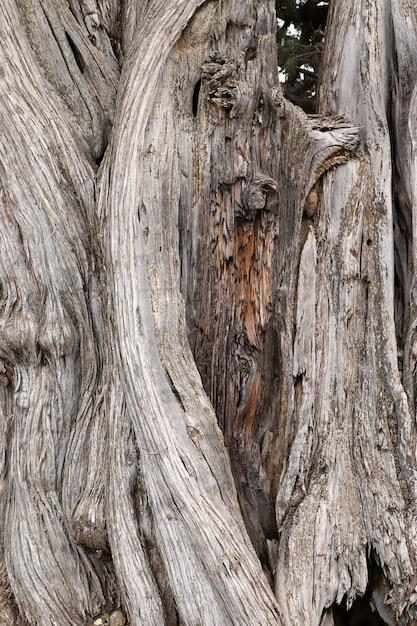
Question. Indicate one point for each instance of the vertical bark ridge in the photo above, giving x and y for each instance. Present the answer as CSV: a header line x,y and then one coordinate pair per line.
x,y
100,23
350,472
199,535
403,109
83,75
141,595
47,337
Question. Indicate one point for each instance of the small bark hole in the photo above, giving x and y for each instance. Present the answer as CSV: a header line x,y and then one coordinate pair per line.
x,y
250,54
360,614
77,54
196,97
100,158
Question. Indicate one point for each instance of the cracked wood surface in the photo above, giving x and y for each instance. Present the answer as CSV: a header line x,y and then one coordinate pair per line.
x,y
183,249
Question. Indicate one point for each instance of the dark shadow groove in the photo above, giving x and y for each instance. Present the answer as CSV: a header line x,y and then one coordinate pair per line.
x,y
364,610
77,54
196,97
402,229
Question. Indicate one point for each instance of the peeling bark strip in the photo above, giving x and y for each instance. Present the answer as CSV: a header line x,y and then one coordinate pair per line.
x,y
177,238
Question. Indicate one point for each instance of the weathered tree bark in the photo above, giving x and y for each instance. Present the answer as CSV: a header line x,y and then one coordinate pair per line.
x,y
182,249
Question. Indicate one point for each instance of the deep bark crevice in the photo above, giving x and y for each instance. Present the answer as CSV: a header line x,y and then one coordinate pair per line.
x,y
402,235
77,54
371,608
196,97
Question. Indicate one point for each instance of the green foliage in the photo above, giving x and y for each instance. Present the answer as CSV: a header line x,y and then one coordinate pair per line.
x,y
288,46
300,37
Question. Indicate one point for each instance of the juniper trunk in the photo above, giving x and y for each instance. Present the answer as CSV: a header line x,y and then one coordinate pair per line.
x,y
183,250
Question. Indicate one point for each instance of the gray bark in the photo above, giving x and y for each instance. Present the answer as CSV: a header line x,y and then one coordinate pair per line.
x,y
208,319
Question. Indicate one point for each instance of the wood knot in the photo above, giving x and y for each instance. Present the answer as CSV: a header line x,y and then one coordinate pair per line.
x,y
310,206
220,72
278,101
261,193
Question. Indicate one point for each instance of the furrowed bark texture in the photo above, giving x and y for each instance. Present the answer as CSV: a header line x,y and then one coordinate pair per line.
x,y
350,431
300,290
183,250
185,504
115,477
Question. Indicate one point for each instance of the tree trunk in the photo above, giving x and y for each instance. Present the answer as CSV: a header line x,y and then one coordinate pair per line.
x,y
182,249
